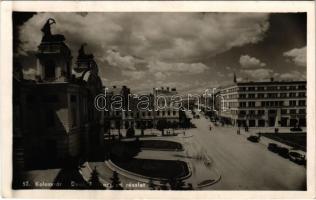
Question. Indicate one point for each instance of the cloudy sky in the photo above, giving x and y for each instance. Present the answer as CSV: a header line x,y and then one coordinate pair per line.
x,y
189,51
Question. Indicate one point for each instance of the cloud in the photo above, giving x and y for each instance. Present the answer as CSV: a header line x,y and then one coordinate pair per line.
x,y
298,56
191,68
136,75
258,74
293,75
248,62
151,47
162,36
115,59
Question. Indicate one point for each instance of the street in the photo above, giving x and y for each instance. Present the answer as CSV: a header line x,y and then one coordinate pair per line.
x,y
244,165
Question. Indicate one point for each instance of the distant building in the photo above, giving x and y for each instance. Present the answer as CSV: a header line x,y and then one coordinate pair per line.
x,y
165,105
57,119
132,116
263,104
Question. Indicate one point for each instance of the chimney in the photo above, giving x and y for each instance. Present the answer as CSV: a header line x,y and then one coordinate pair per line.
x,y
168,89
271,79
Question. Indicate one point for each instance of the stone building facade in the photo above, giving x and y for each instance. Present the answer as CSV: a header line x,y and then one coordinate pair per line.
x,y
263,104
58,120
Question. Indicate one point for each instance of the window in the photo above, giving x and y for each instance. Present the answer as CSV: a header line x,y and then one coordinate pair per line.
x,y
251,88
49,69
283,88
261,95
251,104
293,111
242,112
301,103
242,104
292,103
149,113
272,88
242,96
263,103
301,111
261,112
242,88
174,113
260,88
163,113
283,95
251,96
292,94
272,111
252,112
292,87
301,87
168,113
283,111
301,94
272,95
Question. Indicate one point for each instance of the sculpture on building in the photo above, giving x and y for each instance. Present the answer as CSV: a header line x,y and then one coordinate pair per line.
x,y
48,36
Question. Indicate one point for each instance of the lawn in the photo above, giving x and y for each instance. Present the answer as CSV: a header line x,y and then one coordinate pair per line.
x,y
155,168
161,145
296,140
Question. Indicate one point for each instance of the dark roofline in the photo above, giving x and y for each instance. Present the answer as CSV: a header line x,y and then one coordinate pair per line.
x,y
262,83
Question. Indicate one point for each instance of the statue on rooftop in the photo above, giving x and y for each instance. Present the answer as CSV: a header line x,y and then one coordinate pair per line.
x,y
48,36
82,54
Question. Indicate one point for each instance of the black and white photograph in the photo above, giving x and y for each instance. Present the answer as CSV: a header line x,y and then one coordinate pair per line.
x,y
178,101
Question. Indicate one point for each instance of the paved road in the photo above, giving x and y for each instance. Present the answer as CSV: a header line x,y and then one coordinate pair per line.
x,y
244,165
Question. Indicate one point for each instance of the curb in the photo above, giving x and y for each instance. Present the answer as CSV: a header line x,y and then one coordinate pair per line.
x,y
141,178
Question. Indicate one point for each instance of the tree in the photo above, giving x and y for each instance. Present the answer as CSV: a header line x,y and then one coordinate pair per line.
x,y
115,182
118,126
130,132
94,181
161,125
176,184
151,184
142,128
174,126
163,185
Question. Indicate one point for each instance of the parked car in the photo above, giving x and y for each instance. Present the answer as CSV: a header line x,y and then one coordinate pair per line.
x,y
297,156
295,129
253,138
273,147
284,152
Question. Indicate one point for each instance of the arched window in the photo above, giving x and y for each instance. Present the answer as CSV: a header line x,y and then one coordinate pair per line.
x,y
50,69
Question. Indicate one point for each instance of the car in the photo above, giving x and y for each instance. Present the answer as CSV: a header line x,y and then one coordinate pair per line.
x,y
253,138
284,152
297,156
273,147
294,129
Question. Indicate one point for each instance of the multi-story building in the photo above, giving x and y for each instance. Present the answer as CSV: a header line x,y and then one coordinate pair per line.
x,y
136,114
261,104
165,105
56,115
